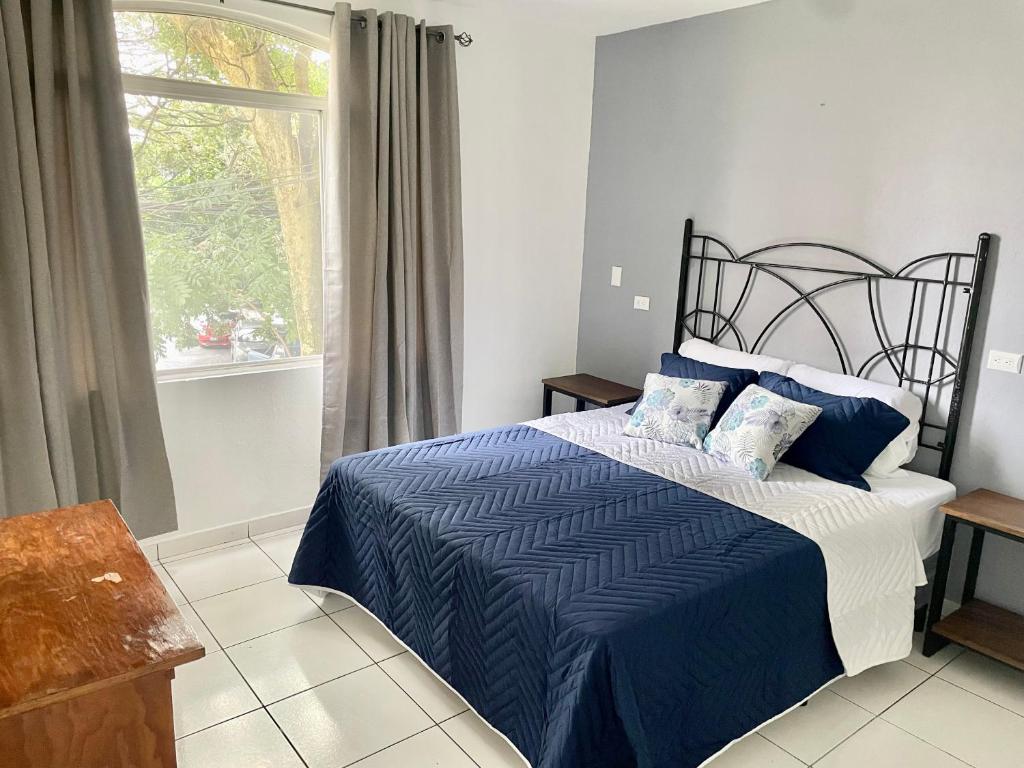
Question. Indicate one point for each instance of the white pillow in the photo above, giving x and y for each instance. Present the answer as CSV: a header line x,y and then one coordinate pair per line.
x,y
706,352
757,429
675,410
904,446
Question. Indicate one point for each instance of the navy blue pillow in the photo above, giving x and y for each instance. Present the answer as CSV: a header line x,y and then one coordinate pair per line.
x,y
847,436
736,379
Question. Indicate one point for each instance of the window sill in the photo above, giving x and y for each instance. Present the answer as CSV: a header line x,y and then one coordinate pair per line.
x,y
238,369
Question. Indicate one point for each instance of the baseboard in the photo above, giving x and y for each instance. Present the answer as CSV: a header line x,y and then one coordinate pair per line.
x,y
175,544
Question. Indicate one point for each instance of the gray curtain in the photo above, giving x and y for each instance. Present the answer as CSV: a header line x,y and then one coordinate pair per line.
x,y
78,408
393,239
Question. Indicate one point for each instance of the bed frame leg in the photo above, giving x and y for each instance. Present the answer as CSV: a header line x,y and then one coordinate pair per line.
x,y
920,615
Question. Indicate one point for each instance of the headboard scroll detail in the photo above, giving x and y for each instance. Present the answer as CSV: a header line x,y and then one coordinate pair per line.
x,y
931,355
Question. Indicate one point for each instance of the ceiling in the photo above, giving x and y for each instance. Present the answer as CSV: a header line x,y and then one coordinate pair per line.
x,y
609,16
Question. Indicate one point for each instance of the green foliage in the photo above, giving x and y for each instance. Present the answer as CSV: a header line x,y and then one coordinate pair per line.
x,y
159,44
212,228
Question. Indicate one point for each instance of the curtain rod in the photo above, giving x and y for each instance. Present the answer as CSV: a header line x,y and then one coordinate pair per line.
x,y
463,38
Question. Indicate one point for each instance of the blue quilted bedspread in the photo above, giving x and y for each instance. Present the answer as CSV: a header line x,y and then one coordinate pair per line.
x,y
595,614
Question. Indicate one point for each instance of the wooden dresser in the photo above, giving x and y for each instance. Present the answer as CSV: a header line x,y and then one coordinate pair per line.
x,y
89,639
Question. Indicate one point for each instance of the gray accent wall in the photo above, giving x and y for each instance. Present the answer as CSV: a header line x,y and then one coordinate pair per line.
x,y
893,127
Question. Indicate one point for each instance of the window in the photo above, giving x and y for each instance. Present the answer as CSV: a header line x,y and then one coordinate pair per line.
x,y
225,123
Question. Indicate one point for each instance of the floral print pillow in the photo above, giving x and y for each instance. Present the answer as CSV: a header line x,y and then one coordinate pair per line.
x,y
757,429
675,410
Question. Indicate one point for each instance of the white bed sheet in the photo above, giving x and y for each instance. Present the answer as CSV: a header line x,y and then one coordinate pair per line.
x,y
919,497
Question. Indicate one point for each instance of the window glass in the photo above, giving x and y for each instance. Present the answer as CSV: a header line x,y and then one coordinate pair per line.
x,y
208,50
231,217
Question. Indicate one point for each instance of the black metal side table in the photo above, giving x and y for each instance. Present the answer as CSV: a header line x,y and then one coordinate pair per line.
x,y
980,626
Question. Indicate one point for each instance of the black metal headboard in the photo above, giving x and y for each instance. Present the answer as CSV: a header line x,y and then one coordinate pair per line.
x,y
931,355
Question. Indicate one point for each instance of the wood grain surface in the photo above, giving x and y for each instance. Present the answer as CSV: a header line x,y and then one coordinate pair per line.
x,y
64,634
130,725
990,509
593,389
988,629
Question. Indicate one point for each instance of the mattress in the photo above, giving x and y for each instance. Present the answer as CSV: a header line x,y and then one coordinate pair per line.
x,y
918,497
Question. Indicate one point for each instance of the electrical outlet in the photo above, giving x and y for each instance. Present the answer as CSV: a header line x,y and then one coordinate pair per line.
x,y
1004,361
616,276
642,302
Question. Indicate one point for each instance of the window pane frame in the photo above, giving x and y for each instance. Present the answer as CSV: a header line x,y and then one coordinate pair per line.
x,y
210,93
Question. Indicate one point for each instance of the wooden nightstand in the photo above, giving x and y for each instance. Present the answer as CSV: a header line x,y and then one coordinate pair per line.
x,y
589,389
977,625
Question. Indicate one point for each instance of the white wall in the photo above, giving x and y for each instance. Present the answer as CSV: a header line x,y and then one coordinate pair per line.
x,y
243,445
247,445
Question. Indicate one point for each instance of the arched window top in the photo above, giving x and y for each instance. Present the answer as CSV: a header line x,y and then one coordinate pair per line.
x,y
212,50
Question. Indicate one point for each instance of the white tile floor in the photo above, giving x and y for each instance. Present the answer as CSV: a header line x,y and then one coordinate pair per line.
x,y
293,679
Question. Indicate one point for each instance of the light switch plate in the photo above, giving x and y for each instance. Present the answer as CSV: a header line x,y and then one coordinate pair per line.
x,y
642,302
616,276
1004,361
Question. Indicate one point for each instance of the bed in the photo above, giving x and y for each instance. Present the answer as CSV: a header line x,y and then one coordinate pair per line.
x,y
604,600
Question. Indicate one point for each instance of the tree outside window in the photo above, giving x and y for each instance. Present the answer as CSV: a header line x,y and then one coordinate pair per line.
x,y
228,184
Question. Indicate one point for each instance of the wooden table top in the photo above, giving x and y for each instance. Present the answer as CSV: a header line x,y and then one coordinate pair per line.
x,y
595,390
989,509
81,608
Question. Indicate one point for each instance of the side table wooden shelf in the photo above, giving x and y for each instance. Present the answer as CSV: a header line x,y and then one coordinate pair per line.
x,y
980,626
589,389
89,639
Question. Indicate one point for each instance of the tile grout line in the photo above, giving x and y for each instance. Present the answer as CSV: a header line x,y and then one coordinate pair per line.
x,y
281,575
336,678
248,535
439,723
979,696
220,649
823,690
266,707
389,746
265,634
925,741
879,716
220,643
350,637
206,728
245,680
453,738
873,715
832,749
402,689
267,554
378,664
901,698
436,723
894,703
318,605
213,548
226,591
935,675
284,733
779,746
782,748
